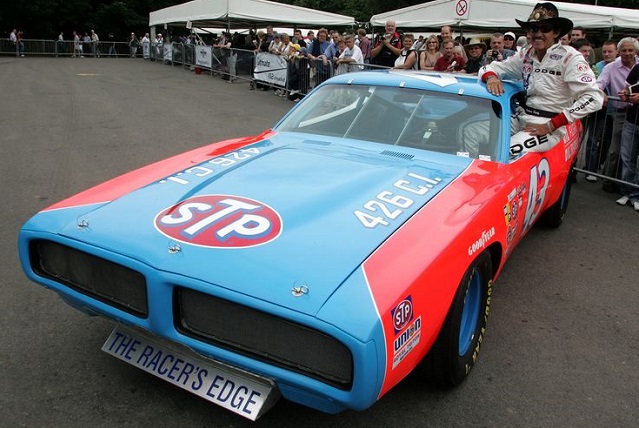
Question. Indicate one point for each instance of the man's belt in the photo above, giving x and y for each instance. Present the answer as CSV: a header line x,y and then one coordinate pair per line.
x,y
541,113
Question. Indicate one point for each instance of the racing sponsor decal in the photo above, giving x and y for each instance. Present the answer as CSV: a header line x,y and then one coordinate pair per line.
x,y
571,141
511,212
582,106
527,69
529,142
220,221
402,314
480,243
539,179
407,330
586,79
547,71
583,68
407,341
388,205
556,57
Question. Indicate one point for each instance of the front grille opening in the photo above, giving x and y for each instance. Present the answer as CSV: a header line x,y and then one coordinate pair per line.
x,y
263,336
108,282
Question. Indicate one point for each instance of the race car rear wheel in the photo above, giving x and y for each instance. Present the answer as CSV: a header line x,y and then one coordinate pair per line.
x,y
457,346
555,214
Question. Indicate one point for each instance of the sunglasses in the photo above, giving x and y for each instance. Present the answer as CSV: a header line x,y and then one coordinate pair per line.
x,y
544,28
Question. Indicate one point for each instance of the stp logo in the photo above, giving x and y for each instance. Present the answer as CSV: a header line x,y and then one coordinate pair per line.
x,y
220,221
402,314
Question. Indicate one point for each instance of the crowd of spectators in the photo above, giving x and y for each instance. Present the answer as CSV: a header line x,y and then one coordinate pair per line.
x,y
612,135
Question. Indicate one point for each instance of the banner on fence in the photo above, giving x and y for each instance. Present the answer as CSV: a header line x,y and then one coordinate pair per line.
x,y
203,56
270,68
146,50
168,52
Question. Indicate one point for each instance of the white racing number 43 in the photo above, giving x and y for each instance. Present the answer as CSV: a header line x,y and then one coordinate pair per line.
x,y
388,205
539,178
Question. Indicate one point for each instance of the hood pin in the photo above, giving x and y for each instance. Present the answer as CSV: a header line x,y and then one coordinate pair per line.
x,y
299,290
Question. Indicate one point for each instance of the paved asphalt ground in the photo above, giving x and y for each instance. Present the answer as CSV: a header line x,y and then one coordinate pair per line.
x,y
562,347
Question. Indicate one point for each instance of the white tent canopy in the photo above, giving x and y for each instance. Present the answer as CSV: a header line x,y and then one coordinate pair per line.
x,y
244,14
501,14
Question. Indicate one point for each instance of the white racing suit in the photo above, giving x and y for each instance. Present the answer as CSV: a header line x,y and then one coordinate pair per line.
x,y
562,82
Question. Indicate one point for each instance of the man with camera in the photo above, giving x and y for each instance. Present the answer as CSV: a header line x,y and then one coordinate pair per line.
x,y
497,51
387,46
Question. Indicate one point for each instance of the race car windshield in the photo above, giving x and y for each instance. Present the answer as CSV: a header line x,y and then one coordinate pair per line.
x,y
428,120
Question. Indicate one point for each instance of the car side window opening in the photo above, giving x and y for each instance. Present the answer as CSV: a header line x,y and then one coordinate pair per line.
x,y
447,123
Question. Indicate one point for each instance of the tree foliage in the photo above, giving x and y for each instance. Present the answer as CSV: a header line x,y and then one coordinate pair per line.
x,y
46,18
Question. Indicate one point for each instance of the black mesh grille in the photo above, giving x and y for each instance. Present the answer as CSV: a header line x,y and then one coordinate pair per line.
x,y
263,336
101,279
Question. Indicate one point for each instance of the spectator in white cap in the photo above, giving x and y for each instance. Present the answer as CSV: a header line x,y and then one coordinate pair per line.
x,y
509,41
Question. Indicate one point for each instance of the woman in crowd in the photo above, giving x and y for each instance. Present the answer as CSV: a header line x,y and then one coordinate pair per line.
x,y
430,54
407,58
285,44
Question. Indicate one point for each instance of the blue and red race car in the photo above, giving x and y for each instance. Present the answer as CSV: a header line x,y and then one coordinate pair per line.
x,y
323,260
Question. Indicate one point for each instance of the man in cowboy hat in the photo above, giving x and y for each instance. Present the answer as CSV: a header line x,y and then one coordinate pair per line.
x,y
475,51
560,85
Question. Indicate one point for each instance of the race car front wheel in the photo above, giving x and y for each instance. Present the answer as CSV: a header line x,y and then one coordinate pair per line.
x,y
457,346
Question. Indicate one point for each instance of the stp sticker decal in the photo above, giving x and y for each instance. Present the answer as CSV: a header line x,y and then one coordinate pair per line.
x,y
220,221
402,314
407,330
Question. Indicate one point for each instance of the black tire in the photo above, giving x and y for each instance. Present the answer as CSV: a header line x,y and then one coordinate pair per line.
x,y
455,351
554,216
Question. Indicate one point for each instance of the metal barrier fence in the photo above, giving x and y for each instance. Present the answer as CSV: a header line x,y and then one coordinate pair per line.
x,y
609,149
35,47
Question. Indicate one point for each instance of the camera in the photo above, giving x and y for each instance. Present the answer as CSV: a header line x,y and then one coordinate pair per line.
x,y
495,54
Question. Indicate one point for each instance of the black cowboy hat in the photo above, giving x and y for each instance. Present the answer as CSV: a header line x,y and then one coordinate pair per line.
x,y
547,13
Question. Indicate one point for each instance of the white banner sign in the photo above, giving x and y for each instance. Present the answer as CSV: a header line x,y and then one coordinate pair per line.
x,y
270,68
146,50
203,56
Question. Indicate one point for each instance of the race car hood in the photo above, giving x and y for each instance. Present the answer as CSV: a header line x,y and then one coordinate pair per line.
x,y
284,213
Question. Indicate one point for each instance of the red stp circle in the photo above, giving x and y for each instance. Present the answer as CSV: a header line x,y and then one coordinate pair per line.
x,y
220,221
402,314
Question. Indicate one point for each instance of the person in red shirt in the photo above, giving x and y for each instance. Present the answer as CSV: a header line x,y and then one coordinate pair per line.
x,y
450,61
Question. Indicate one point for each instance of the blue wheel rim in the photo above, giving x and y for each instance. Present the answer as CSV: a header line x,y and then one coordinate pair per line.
x,y
470,313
